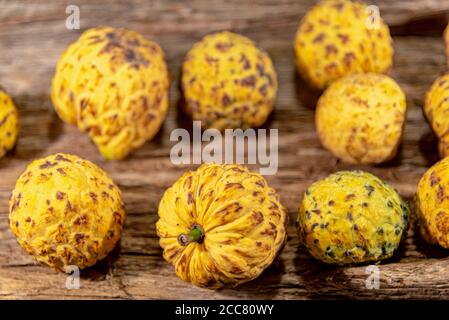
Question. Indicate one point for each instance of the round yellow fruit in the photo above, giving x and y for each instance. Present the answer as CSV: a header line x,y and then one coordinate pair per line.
x,y
340,37
65,211
432,204
352,217
113,84
436,108
360,118
228,82
221,225
9,123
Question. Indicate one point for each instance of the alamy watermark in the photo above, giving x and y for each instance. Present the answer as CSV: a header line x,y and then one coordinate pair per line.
x,y
373,280
233,146
373,20
72,22
72,282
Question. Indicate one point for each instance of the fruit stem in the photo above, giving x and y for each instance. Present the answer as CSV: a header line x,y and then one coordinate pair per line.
x,y
196,234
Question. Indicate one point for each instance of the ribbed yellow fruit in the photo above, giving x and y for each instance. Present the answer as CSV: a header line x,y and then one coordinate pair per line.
x,y
113,84
221,225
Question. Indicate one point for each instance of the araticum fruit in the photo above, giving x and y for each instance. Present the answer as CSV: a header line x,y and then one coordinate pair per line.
x,y
221,225
436,108
339,37
360,118
432,204
113,84
228,82
9,123
352,217
66,211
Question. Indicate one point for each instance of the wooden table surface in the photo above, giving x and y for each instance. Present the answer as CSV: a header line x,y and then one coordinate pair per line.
x,y
32,37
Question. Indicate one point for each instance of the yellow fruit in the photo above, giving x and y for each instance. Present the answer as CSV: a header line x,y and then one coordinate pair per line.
x,y
66,211
360,118
113,84
9,123
432,204
436,108
339,37
352,217
221,225
228,82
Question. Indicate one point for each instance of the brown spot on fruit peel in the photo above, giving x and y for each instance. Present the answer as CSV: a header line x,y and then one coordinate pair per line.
x,y
319,38
5,118
93,196
223,46
60,195
249,81
47,165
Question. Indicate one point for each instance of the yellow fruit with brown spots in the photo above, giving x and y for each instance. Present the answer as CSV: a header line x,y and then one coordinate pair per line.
x,y
221,225
432,204
351,217
65,211
113,84
360,118
228,82
436,108
9,123
340,37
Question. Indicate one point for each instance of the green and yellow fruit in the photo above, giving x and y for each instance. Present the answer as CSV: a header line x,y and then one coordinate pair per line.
x,y
352,217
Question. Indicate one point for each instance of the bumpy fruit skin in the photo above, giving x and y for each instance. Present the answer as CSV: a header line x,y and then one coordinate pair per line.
x,y
432,204
352,217
9,123
242,219
228,82
66,211
113,84
340,37
436,108
360,118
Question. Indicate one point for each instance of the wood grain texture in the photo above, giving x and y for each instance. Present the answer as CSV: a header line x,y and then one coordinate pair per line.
x,y
33,35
